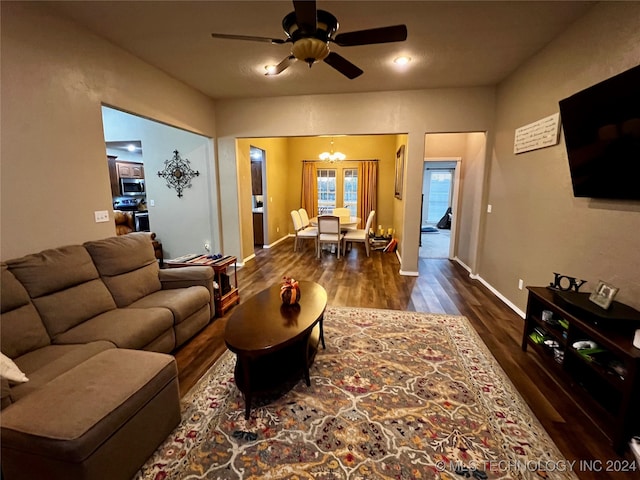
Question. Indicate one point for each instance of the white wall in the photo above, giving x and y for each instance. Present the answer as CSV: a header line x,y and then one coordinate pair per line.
x,y
183,225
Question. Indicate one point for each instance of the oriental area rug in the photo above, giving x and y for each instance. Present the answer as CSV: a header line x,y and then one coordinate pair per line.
x,y
395,395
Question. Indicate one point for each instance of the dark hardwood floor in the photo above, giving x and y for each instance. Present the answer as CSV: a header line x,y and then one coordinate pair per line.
x,y
442,287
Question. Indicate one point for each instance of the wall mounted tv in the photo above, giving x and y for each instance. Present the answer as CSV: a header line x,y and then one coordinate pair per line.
x,y
602,134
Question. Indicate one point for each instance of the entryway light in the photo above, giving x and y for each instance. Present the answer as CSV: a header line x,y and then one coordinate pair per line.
x,y
332,156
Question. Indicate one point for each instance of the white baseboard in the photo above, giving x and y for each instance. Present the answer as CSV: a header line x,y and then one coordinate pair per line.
x,y
504,299
281,239
245,260
405,273
409,273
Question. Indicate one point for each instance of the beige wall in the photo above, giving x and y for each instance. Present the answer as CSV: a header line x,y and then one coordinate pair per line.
x,y
412,113
55,77
537,227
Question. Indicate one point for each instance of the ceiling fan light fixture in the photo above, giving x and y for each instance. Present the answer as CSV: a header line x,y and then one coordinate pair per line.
x,y
402,60
310,50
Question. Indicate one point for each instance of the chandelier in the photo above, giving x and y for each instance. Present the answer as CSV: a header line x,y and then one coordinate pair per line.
x,y
332,156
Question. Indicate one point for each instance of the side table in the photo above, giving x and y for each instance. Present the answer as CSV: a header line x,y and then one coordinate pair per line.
x,y
226,295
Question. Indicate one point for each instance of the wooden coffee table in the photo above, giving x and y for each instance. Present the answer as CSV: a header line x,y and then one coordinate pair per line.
x,y
274,342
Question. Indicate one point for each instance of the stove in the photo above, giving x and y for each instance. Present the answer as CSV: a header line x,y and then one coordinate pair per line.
x,y
127,204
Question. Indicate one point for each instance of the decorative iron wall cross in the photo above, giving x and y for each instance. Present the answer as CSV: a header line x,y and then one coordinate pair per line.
x,y
178,173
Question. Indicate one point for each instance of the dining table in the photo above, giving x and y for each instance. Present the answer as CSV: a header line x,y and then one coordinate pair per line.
x,y
346,222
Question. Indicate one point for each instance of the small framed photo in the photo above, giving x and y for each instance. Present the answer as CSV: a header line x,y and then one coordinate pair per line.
x,y
603,294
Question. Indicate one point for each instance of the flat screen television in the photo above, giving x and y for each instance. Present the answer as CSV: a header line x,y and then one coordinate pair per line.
x,y
602,135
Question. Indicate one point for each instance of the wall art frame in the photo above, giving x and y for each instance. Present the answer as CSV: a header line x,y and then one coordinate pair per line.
x,y
399,172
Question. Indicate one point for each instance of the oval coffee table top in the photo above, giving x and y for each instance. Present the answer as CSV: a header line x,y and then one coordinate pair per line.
x,y
263,323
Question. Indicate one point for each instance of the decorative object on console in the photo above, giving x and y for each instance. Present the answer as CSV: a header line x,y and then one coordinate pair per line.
x,y
178,173
565,283
603,294
290,291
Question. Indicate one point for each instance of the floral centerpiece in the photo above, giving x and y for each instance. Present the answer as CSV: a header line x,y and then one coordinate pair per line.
x,y
289,291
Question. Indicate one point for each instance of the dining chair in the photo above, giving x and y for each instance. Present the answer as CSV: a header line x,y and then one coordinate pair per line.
x,y
345,215
341,212
359,235
329,232
304,216
301,232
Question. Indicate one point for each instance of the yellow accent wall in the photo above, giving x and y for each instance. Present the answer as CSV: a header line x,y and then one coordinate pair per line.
x,y
284,159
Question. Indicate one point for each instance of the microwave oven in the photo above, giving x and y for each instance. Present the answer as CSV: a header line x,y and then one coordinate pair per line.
x,y
132,186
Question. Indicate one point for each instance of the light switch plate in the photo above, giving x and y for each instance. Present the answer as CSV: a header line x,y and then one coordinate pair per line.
x,y
101,216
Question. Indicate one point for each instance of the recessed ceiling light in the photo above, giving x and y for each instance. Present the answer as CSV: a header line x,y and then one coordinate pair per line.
x,y
270,69
401,60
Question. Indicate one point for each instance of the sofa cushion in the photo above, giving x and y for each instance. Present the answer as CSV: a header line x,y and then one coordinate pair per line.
x,y
70,307
124,327
21,326
74,415
53,270
127,265
45,364
64,286
182,302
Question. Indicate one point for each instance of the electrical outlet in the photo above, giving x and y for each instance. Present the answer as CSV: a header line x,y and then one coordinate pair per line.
x,y
489,208
520,284
101,216
152,203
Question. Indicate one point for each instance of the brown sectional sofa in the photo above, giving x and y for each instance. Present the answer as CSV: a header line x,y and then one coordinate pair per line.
x,y
103,313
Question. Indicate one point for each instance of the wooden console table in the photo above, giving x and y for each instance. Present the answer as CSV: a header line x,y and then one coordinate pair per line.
x,y
603,378
226,295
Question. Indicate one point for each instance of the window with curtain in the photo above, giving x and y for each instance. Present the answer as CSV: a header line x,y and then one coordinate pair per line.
x,y
350,190
326,190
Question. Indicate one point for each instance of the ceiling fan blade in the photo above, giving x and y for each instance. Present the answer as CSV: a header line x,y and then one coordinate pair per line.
x,y
343,65
305,15
395,33
275,41
283,65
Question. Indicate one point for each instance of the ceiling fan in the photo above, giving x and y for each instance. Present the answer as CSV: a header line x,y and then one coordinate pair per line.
x,y
310,31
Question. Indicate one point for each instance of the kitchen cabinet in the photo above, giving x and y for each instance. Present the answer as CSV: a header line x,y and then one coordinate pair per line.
x,y
130,170
258,230
256,178
113,176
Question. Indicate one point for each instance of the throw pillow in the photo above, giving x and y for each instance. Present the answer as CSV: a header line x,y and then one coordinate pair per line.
x,y
10,371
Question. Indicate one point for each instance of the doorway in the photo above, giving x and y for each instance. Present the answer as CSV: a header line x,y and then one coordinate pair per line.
x,y
439,193
258,205
185,224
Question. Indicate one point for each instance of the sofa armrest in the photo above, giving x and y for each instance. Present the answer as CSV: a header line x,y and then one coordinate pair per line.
x,y
183,277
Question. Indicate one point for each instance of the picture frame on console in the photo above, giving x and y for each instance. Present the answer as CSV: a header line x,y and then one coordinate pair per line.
x,y
603,295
